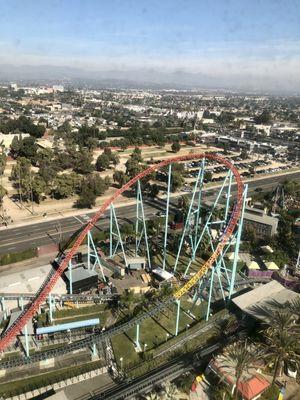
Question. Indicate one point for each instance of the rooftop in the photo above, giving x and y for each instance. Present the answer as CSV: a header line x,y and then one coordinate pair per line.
x,y
80,273
263,296
251,385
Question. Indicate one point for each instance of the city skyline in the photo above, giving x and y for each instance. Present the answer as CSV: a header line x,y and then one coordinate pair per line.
x,y
230,43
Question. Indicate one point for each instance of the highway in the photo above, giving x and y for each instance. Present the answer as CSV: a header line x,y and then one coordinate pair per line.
x,y
49,232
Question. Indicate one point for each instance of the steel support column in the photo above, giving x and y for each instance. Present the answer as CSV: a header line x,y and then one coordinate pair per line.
x,y
140,217
50,307
177,316
195,248
137,338
198,209
3,307
187,221
71,278
237,244
167,217
210,292
115,233
93,256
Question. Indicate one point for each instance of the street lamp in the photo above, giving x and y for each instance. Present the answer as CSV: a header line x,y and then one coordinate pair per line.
x,y
70,335
167,336
145,346
187,326
121,363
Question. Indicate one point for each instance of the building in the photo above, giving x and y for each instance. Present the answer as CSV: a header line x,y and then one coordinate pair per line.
x,y
13,86
257,299
264,225
58,88
136,263
252,384
82,280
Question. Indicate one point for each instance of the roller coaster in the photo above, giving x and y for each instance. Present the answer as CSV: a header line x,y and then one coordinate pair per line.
x,y
230,225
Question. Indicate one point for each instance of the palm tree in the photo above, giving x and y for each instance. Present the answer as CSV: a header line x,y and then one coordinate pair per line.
x,y
170,391
239,357
294,307
152,396
279,316
281,332
282,346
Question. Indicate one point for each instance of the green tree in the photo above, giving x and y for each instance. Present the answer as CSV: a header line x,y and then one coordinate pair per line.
x,y
176,147
120,177
208,176
127,299
29,149
278,256
154,190
115,159
38,188
127,231
133,167
97,184
84,160
103,162
263,118
44,156
65,185
3,192
177,181
16,144
21,175
87,198
3,160
137,155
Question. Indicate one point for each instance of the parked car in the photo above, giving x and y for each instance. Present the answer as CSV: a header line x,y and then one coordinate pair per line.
x,y
291,369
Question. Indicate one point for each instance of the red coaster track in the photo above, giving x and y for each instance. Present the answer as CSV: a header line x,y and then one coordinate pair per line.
x,y
8,336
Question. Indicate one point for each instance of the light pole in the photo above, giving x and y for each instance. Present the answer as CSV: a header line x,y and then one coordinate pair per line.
x,y
167,336
187,326
121,364
145,346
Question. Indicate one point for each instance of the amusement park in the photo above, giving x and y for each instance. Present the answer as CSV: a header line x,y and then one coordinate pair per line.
x,y
142,292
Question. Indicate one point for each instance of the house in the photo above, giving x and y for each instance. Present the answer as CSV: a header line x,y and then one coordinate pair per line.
x,y
251,385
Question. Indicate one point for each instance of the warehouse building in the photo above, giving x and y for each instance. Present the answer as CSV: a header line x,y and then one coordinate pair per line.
x,y
82,279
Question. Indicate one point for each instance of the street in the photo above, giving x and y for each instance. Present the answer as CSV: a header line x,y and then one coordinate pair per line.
x,y
49,232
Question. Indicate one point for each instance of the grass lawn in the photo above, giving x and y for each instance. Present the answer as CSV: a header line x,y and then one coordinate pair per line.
x,y
103,317
81,313
154,331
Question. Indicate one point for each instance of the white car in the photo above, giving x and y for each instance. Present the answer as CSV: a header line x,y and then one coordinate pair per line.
x,y
291,369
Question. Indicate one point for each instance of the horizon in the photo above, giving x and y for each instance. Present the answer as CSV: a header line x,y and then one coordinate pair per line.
x,y
226,44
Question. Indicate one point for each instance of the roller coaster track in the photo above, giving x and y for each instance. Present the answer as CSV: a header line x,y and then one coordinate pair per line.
x,y
32,308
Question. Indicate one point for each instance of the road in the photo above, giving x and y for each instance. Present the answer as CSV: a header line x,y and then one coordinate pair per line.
x,y
49,232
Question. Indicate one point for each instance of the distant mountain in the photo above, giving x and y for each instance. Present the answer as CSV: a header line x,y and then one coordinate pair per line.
x,y
150,78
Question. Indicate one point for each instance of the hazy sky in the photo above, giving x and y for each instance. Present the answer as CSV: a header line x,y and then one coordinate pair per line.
x,y
237,37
